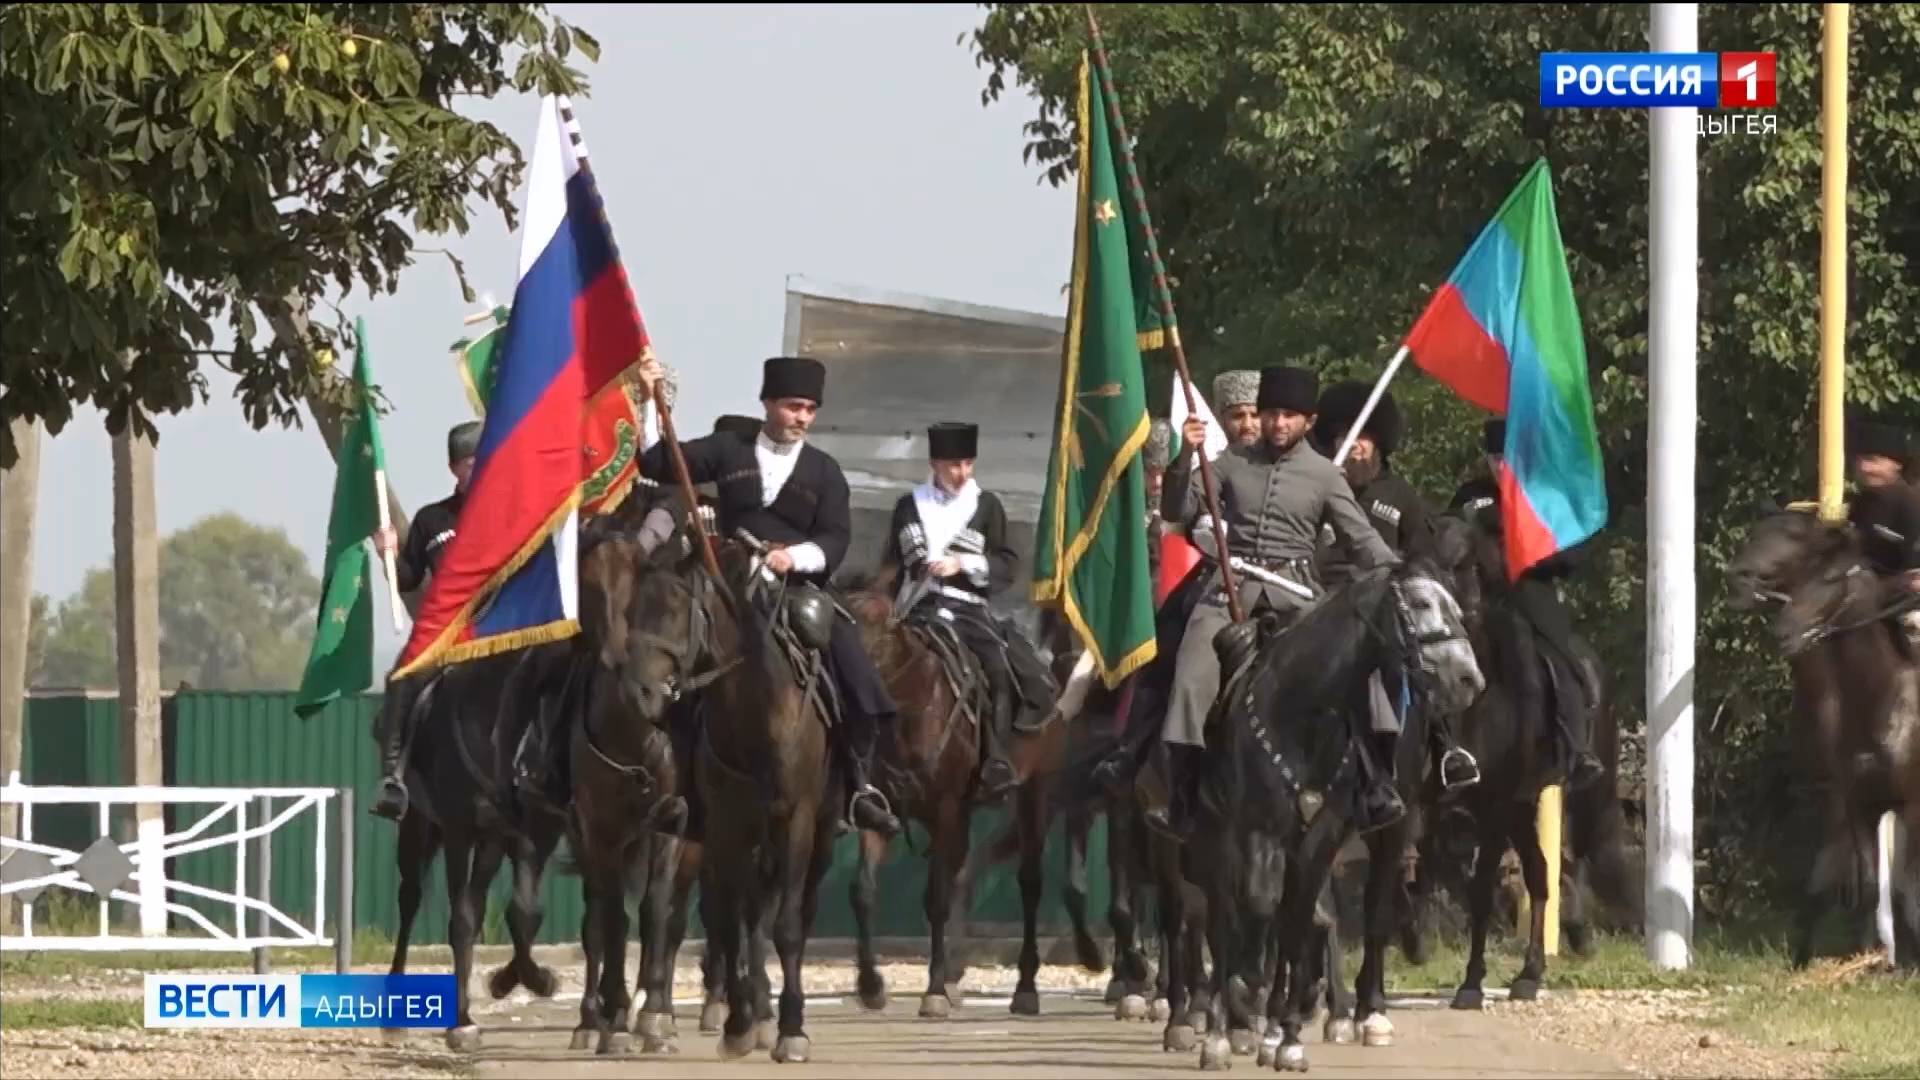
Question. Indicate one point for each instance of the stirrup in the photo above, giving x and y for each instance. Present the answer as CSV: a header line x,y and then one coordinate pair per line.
x,y
1471,768
394,801
869,791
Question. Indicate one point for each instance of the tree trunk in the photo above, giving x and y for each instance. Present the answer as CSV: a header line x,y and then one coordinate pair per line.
x,y
288,318
136,578
19,488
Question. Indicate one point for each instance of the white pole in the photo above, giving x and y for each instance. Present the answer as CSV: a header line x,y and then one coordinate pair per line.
x,y
1883,912
1373,399
1673,332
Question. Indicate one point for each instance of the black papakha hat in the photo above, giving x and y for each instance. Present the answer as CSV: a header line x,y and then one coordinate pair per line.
x,y
745,428
463,441
1872,437
1292,388
793,377
1340,406
949,441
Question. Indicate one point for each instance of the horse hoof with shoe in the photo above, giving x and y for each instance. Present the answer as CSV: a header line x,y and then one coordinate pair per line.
x,y
873,992
712,1016
935,1007
657,1034
1469,999
765,1034
1180,1039
616,1043
1269,1049
582,1039
1524,990
1376,1030
1025,1003
793,1049
464,1039
1291,1058
1216,1055
1245,1041
735,1047
1132,1007
1160,1011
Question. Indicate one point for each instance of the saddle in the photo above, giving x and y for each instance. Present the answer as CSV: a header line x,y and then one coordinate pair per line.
x,y
958,664
802,629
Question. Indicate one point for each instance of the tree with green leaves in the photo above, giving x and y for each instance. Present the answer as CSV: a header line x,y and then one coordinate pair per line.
x,y
174,166
1316,172
236,613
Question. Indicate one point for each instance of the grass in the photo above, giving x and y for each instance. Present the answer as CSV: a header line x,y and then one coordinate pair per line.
x,y
1867,1022
21,1013
369,946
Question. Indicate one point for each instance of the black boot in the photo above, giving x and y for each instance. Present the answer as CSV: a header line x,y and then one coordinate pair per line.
x,y
1175,820
393,801
1380,802
867,809
996,771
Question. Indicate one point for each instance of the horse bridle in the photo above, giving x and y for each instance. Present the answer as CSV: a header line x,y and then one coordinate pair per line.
x,y
1823,627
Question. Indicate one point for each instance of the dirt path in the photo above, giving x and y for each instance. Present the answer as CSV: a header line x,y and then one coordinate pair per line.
x,y
1076,1035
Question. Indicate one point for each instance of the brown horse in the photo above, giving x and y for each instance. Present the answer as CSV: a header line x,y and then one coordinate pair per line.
x,y
769,784
1857,694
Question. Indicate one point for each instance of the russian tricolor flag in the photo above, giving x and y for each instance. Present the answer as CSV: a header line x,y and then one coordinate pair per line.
x,y
509,577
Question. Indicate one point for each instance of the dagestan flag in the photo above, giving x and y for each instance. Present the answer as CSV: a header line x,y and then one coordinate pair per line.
x,y
1091,558
341,660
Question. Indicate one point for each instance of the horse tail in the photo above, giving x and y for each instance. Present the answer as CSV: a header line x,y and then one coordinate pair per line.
x,y
1071,789
1598,823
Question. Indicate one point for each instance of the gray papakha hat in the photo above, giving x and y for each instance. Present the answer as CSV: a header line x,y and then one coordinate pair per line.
x,y
1159,441
1232,388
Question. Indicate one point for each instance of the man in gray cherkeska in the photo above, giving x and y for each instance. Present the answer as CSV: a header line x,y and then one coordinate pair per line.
x,y
1274,497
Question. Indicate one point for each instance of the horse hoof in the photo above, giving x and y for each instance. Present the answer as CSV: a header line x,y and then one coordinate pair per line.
x,y
1292,1058
1469,999
1259,1025
935,1007
616,1043
464,1039
712,1015
1199,1021
1131,1007
1026,1003
1090,955
1244,1041
1269,1049
656,1033
873,992
1116,990
1161,1011
1339,1031
765,1034
542,983
1524,990
793,1049
1376,1030
582,1038
1180,1039
502,981
1216,1055
734,1047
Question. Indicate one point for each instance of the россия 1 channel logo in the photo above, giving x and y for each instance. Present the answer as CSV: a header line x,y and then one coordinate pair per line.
x,y
299,1001
1621,80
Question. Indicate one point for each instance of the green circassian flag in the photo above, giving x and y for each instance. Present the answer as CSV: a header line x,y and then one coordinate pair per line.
x,y
341,661
1091,550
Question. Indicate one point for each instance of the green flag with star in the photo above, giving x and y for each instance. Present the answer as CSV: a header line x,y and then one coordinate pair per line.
x,y
1091,558
341,662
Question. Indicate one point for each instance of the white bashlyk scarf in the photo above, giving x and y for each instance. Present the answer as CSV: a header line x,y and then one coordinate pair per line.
x,y
942,514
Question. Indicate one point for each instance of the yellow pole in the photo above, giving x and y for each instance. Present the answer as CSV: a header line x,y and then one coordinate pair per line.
x,y
1833,262
1547,826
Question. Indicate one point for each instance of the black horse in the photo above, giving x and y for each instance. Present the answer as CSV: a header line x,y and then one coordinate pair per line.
x,y
1503,807
458,806
1280,780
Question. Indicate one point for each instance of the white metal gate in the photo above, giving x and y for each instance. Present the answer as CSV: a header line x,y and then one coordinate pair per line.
x,y
135,873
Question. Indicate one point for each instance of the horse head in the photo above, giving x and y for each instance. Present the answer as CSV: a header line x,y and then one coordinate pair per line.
x,y
644,615
1433,635
1810,570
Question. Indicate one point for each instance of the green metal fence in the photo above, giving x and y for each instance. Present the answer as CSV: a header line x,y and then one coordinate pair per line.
x,y
221,739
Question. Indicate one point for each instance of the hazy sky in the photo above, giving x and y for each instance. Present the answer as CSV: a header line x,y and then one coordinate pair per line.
x,y
734,147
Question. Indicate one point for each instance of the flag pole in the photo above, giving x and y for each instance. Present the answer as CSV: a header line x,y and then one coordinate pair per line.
x,y
394,603
1373,399
1164,297
685,480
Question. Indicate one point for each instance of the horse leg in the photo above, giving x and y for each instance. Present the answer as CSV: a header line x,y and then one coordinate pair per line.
x,y
418,842
525,913
1383,866
1130,974
470,870
1341,1005
949,850
790,926
1533,868
1307,877
871,985
726,913
1223,910
1074,896
1031,808
659,942
1199,996
590,945
1175,959
1486,875
766,1027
